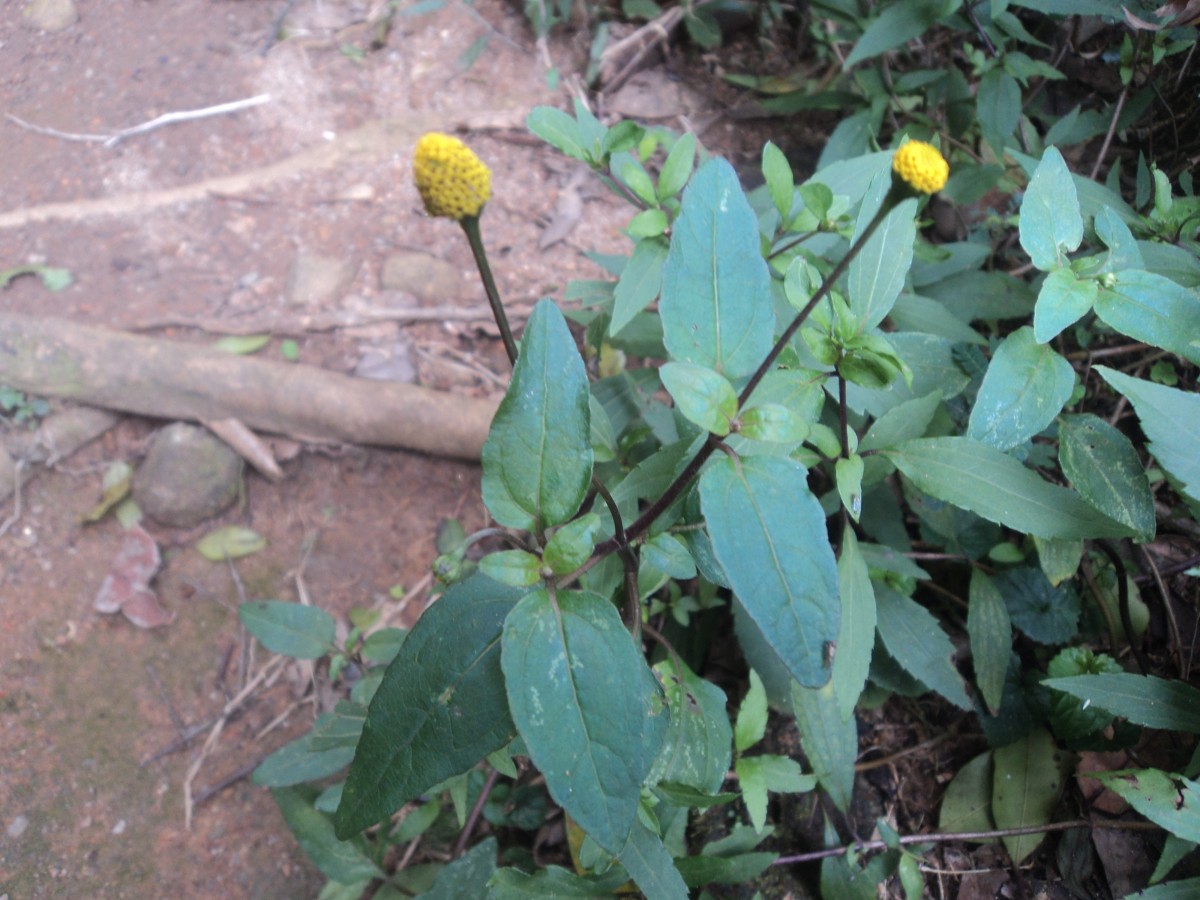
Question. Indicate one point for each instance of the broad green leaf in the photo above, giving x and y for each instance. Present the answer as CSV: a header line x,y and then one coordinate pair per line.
x,y
1142,699
698,871
297,762
769,773
781,183
913,636
648,862
440,709
1171,420
649,223
1102,465
856,637
537,460
768,532
967,803
1152,308
292,629
696,750
1168,800
1059,559
677,167
573,677
558,130
751,722
898,24
703,396
716,293
552,882
518,568
877,274
772,423
848,472
991,637
830,740
1063,300
640,282
1048,614
342,861
1027,779
342,729
991,484
998,105
682,795
572,544
383,645
1184,889
242,344
901,423
1051,224
1071,720
1123,250
1026,386
628,170
230,542
466,876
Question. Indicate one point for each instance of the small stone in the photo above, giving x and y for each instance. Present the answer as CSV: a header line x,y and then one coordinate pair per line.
x,y
315,280
50,15
188,476
17,827
8,474
422,275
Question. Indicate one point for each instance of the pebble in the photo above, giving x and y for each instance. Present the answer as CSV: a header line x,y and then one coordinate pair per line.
x,y
17,827
422,275
50,15
188,476
315,280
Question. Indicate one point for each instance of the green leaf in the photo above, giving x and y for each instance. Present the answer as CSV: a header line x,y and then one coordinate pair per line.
x,y
967,803
342,861
990,632
558,130
1051,224
649,864
572,544
998,106
1171,421
518,568
703,396
1071,720
572,675
848,472
383,645
677,167
289,350
466,876
1102,465
649,223
551,882
297,762
751,722
698,871
979,478
772,423
1026,386
291,629
1063,300
768,533
758,775
913,636
1059,560
628,170
537,461
781,184
716,294
1027,779
877,274
1168,800
1152,308
856,637
1184,889
640,282
440,708
696,750
1142,699
54,278
230,542
242,344
901,423
1047,614
830,740
898,24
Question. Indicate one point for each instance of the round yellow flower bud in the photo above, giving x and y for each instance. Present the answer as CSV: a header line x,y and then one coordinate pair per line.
x,y
451,179
921,166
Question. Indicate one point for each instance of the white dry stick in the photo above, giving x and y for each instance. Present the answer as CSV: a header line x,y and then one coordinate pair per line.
x,y
111,140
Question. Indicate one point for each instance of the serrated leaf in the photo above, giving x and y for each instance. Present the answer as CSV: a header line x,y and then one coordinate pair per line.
x,y
558,130
1183,889
342,861
571,672
901,423
830,740
1063,300
751,722
551,882
640,282
991,484
897,24
696,750
917,642
702,395
537,460
441,706
1051,224
1046,613
298,762
715,307
1026,386
856,637
677,167
698,871
877,273
651,867
230,542
1152,308
967,803
518,568
1168,800
990,632
768,533
1102,465
466,876
1027,779
1142,699
291,629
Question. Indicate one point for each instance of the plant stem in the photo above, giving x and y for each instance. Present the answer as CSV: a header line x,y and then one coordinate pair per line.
x,y
470,225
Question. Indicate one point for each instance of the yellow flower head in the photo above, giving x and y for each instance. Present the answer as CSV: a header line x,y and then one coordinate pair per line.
x,y
921,166
452,180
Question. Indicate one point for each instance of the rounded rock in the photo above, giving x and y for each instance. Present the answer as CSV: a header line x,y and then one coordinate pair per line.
x,y
188,476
